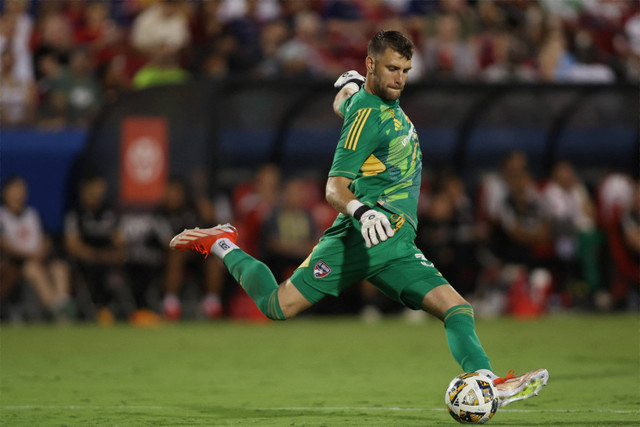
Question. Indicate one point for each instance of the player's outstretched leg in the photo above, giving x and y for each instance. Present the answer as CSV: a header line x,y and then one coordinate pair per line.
x,y
512,388
253,275
468,352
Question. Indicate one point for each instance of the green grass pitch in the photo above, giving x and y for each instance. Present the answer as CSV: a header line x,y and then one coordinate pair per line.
x,y
309,372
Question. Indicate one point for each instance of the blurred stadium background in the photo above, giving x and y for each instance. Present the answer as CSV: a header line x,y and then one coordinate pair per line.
x,y
172,114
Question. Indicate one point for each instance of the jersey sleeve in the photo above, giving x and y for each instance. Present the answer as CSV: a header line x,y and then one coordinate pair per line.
x,y
358,139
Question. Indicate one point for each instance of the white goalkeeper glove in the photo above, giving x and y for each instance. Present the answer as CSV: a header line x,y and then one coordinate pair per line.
x,y
352,78
374,224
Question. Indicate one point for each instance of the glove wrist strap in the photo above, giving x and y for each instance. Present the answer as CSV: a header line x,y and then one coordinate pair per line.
x,y
360,211
355,208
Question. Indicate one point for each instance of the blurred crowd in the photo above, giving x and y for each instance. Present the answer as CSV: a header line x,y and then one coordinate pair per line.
x,y
61,60
514,245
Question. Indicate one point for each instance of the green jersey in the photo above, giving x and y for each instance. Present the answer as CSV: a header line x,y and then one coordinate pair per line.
x,y
379,150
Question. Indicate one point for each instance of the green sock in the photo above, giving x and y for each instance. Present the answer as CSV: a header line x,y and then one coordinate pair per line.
x,y
255,278
463,341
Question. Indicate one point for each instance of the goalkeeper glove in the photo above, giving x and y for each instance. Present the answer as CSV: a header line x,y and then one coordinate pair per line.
x,y
351,78
374,224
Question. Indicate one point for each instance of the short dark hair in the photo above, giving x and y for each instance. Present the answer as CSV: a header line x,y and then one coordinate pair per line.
x,y
394,40
9,181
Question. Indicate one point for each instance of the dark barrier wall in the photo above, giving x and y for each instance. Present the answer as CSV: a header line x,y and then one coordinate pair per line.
x,y
218,133
45,160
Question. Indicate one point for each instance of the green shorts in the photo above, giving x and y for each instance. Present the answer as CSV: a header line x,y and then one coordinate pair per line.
x,y
396,267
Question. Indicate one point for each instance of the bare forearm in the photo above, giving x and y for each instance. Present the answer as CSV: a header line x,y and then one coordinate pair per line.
x,y
343,94
338,194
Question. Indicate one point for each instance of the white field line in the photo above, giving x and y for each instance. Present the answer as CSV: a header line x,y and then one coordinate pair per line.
x,y
315,409
80,407
395,409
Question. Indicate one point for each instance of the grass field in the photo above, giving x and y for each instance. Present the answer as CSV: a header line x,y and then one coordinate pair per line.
x,y
309,372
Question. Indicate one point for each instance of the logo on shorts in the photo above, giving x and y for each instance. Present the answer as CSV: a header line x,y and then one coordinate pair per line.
x,y
321,270
424,260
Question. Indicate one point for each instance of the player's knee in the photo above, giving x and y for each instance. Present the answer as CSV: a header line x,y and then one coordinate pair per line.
x,y
290,300
289,309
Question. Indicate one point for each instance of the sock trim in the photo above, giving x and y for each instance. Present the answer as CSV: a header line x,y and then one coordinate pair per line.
x,y
487,373
458,309
273,307
222,247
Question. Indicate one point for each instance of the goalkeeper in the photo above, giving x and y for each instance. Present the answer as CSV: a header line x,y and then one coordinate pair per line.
x,y
374,183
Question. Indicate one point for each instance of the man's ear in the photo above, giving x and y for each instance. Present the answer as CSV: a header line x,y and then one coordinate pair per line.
x,y
370,63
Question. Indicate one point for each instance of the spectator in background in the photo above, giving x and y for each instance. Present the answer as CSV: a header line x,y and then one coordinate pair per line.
x,y
53,109
553,56
347,32
558,63
289,234
446,55
80,88
179,208
114,78
247,28
16,27
629,48
508,60
576,239
96,30
95,244
446,232
253,203
522,222
18,98
146,235
305,54
161,32
518,242
273,35
205,25
494,186
212,43
53,34
218,57
25,246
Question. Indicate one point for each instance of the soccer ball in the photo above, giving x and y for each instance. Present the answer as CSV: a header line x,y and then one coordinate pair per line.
x,y
471,398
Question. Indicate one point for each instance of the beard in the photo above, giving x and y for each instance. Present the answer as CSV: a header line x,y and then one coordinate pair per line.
x,y
383,90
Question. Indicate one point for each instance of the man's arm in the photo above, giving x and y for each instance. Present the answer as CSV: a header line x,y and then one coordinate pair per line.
x,y
338,194
346,85
344,93
375,225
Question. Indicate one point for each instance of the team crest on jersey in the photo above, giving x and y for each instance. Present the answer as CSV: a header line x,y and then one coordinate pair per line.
x,y
321,270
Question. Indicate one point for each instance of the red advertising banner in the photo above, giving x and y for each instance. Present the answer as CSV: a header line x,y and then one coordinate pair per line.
x,y
144,160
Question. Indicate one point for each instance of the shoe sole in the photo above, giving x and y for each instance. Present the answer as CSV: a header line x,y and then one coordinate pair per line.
x,y
531,388
186,236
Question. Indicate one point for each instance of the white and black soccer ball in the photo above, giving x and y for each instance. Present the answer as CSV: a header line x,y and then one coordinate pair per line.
x,y
471,398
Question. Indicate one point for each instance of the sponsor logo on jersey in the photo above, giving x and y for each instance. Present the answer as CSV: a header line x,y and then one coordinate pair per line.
x,y
412,133
321,270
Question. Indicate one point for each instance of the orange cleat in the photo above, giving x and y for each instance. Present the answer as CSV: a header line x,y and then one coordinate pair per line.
x,y
201,240
512,388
